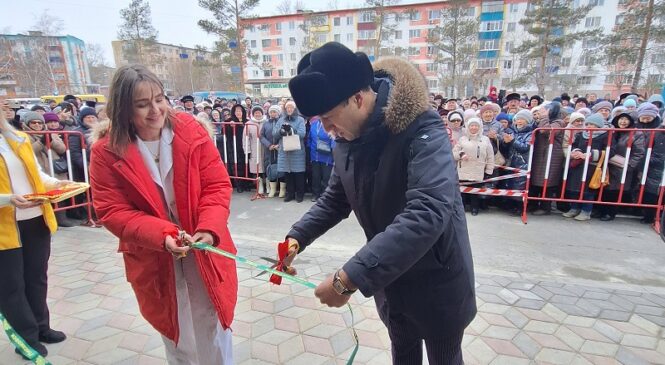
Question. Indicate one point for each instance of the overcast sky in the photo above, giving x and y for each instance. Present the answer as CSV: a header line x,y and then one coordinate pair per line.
x,y
97,21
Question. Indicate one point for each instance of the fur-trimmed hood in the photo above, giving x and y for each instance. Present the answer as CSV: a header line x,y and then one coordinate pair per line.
x,y
100,130
409,96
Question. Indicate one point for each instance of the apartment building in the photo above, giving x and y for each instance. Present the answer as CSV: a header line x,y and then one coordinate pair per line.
x,y
32,65
280,41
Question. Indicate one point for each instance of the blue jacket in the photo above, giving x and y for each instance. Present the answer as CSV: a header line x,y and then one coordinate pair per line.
x,y
318,133
292,161
516,153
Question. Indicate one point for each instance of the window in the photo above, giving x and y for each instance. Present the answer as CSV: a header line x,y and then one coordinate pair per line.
x,y
486,63
654,79
292,25
430,50
367,17
589,43
434,15
349,20
469,12
337,21
658,58
349,37
366,34
524,63
489,44
252,29
596,2
255,73
508,64
264,27
592,22
565,62
279,42
267,58
414,33
278,27
293,72
292,56
414,15
414,51
252,43
585,60
492,6
280,57
267,73
511,27
514,8
431,67
338,37
433,84
619,19
509,46
292,41
398,34
265,43
585,80
491,26
280,73
320,38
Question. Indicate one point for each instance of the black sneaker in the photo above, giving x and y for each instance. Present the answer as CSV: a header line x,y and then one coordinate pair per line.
x,y
607,218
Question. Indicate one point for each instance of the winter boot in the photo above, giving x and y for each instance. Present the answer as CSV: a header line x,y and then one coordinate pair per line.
x,y
261,189
64,221
571,213
282,189
273,189
583,216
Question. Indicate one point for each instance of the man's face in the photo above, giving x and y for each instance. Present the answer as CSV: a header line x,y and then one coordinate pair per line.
x,y
513,104
346,119
592,98
189,104
580,105
565,102
451,105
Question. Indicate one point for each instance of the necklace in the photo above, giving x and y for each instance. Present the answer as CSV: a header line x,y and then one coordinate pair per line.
x,y
154,145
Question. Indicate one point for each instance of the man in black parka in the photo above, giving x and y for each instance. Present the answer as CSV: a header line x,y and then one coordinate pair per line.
x,y
394,169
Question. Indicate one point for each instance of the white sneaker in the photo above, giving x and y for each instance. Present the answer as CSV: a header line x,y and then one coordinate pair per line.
x,y
584,216
571,213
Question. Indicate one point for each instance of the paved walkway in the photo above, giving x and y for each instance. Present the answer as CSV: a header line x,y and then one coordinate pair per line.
x,y
520,321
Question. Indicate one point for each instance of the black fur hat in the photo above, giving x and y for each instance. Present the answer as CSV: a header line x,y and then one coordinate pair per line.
x,y
327,76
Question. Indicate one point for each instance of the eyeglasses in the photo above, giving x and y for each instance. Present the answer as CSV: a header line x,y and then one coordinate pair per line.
x,y
35,122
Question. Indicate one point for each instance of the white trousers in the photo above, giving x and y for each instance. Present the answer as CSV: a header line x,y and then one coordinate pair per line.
x,y
202,341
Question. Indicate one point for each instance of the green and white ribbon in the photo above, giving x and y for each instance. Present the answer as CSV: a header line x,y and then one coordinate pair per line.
x,y
295,279
21,345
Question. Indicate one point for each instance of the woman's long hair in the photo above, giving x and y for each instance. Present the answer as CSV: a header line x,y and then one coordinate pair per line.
x,y
120,107
244,114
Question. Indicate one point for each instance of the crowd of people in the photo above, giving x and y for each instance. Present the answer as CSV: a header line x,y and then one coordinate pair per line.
x,y
291,156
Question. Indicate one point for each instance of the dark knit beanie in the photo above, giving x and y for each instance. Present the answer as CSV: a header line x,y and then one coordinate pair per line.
x,y
327,76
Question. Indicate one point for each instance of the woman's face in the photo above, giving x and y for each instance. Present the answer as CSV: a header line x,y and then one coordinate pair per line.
x,y
290,109
10,114
504,123
624,122
590,126
258,115
488,115
474,128
533,103
646,119
520,123
215,115
227,114
466,104
273,114
53,125
149,109
238,113
577,123
605,113
36,125
437,102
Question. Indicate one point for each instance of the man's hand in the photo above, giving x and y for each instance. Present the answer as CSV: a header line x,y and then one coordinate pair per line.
x,y
327,294
22,203
203,237
507,138
293,252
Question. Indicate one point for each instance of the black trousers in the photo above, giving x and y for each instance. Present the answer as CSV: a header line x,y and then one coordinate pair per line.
x,y
23,280
295,185
320,176
407,345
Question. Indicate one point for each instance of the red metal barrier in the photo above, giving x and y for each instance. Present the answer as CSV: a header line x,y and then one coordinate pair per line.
x,y
250,140
649,135
70,174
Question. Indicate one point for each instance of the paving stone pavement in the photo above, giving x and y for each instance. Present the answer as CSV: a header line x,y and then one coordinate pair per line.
x,y
520,320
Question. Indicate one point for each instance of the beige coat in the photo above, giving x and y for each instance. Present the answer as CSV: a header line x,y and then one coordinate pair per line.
x,y
480,154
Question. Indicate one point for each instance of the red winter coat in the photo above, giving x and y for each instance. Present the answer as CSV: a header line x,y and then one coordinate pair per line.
x,y
130,205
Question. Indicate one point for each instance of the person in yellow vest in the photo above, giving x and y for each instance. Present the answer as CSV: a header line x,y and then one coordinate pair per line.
x,y
25,243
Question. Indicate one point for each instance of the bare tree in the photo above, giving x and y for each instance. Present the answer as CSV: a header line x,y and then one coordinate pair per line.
x,y
386,21
31,70
48,24
284,7
333,5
